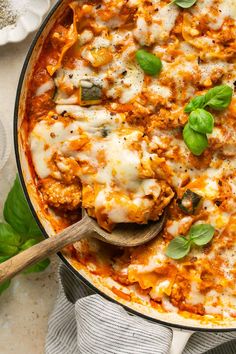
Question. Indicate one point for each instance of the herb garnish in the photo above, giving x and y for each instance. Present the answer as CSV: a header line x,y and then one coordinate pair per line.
x,y
20,232
218,98
201,122
149,62
196,142
198,235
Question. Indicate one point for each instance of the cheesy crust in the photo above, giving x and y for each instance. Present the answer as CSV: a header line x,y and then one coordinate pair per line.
x,y
104,135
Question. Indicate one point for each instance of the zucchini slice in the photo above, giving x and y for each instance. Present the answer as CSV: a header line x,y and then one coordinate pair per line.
x,y
189,202
90,95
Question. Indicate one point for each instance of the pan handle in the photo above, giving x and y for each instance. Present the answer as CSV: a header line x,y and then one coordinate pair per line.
x,y
179,341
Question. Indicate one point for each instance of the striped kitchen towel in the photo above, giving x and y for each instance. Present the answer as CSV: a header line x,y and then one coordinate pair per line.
x,y
85,323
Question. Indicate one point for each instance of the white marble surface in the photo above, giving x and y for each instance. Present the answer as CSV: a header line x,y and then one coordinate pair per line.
x,y
26,305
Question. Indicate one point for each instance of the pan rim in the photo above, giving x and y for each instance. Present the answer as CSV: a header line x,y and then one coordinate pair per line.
x,y
26,193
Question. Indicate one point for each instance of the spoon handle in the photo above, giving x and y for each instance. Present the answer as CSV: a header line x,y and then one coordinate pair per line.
x,y
44,249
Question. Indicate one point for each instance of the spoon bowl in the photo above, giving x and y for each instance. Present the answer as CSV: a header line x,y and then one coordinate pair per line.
x,y
129,235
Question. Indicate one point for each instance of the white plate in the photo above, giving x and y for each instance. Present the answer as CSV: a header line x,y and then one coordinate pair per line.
x,y
28,21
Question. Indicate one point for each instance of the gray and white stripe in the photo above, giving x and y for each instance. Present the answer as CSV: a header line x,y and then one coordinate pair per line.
x,y
84,323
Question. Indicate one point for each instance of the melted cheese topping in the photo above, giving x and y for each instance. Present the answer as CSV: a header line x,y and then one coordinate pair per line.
x,y
219,11
124,154
109,163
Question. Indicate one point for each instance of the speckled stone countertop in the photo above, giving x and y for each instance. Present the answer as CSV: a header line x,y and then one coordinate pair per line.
x,y
27,304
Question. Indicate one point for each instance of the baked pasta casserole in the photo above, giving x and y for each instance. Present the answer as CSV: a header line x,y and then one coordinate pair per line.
x,y
131,111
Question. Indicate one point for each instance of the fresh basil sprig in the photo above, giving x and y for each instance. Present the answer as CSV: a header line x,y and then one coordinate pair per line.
x,y
149,62
201,121
196,102
4,258
9,235
9,240
184,4
199,235
218,98
17,213
20,232
196,142
178,248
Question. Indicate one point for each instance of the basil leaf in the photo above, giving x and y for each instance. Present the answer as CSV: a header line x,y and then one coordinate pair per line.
x,y
17,213
196,102
196,142
178,248
184,4
29,243
201,121
149,62
201,234
8,250
4,258
219,97
4,286
9,240
38,267
8,235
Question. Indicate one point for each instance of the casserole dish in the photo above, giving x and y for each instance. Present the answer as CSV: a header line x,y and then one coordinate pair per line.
x,y
100,284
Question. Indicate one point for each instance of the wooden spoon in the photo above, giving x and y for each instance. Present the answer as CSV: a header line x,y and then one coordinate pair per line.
x,y
124,235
